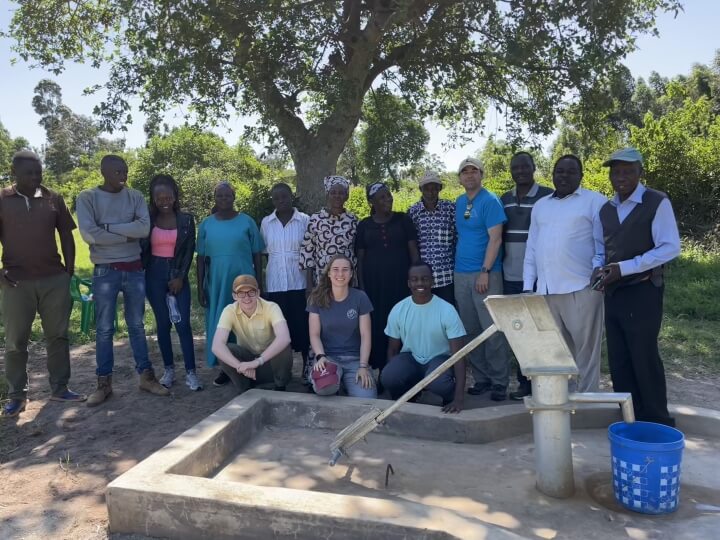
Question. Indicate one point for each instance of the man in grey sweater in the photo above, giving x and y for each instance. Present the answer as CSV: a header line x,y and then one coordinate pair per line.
x,y
112,219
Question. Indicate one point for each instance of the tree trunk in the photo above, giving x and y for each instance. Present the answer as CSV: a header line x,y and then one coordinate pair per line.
x,y
314,159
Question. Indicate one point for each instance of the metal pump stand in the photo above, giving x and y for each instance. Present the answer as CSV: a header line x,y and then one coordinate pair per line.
x,y
545,358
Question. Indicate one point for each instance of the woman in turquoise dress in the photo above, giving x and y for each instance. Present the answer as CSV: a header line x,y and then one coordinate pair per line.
x,y
229,244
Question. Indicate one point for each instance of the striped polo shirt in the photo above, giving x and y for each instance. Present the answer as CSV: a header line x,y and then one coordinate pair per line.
x,y
515,231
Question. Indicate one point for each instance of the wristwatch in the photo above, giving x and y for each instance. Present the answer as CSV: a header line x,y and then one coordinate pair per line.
x,y
320,356
484,270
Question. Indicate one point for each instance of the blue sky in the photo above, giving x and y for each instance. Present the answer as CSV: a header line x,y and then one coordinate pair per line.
x,y
686,40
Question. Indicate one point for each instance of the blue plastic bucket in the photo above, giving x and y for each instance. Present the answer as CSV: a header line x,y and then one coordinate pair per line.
x,y
646,466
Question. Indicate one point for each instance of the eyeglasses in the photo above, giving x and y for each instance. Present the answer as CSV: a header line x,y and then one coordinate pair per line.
x,y
468,210
247,294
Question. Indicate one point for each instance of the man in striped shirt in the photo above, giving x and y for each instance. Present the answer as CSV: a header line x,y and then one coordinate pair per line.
x,y
518,203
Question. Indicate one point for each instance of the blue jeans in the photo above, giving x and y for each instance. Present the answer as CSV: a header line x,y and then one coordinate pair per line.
x,y
350,366
157,277
403,372
107,284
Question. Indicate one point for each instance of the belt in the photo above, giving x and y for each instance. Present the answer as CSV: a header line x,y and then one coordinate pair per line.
x,y
131,266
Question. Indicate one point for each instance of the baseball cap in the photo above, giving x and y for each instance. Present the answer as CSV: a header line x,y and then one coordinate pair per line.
x,y
244,282
624,154
470,161
430,177
326,382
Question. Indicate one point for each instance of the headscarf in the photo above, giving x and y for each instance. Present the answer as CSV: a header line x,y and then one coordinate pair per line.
x,y
330,181
373,188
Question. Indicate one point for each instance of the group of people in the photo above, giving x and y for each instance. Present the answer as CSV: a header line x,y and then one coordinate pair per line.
x,y
370,305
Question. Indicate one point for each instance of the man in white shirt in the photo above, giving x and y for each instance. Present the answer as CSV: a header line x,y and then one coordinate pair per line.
x,y
563,248
283,232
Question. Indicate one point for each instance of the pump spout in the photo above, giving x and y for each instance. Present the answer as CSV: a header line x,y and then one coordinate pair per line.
x,y
623,398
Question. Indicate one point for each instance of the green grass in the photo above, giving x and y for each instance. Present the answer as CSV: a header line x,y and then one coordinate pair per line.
x,y
690,336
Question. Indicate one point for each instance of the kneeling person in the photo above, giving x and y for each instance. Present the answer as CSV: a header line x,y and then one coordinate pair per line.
x,y
262,354
430,331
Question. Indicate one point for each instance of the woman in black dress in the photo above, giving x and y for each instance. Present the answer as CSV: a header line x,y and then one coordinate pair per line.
x,y
385,245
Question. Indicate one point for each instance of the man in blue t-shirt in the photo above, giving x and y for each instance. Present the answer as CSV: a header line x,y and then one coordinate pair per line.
x,y
479,219
423,331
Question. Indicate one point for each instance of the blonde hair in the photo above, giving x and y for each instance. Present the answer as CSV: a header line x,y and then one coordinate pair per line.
x,y
321,296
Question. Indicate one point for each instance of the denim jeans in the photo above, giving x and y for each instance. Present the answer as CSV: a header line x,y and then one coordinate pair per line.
x,y
157,276
350,366
107,284
403,372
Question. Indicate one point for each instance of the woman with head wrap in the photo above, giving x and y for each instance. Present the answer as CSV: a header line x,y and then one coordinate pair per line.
x,y
228,245
385,245
330,232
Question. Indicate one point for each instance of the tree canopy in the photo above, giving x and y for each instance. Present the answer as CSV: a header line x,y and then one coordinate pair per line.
x,y
304,66
69,136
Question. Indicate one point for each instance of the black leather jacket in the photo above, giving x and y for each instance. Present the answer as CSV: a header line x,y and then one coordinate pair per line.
x,y
184,246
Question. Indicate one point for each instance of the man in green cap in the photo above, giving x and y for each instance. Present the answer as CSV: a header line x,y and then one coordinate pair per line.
x,y
640,235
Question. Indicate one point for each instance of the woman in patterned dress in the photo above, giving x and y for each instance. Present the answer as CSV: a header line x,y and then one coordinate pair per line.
x,y
330,232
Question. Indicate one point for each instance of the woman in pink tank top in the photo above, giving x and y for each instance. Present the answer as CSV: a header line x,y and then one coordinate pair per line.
x,y
167,256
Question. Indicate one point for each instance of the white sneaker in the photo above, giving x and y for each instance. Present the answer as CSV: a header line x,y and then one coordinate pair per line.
x,y
192,381
168,377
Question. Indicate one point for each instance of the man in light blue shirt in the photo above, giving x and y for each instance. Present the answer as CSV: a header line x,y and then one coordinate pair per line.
x,y
429,330
479,219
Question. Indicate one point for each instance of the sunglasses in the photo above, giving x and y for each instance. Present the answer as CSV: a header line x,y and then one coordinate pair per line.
x,y
468,210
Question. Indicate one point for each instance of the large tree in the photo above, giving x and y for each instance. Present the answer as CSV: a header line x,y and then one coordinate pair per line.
x,y
304,66
69,136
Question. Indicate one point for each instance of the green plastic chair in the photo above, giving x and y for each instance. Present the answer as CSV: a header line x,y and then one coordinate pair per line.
x,y
87,304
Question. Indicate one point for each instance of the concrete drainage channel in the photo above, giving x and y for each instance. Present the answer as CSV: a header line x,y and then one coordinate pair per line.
x,y
257,468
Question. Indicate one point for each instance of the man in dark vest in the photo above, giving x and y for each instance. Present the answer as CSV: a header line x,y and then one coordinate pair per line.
x,y
640,235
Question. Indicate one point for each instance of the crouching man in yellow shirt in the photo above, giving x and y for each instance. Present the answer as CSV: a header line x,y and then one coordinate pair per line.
x,y
262,353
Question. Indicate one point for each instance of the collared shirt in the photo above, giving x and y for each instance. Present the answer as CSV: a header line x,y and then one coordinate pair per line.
x,y
27,232
515,231
328,235
485,212
564,242
665,234
282,245
436,238
255,332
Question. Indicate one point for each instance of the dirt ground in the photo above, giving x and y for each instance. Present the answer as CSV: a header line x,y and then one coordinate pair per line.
x,y
56,458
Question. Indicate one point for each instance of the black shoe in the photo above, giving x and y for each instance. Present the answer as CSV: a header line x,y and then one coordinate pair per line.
x,y
478,389
222,379
522,391
499,393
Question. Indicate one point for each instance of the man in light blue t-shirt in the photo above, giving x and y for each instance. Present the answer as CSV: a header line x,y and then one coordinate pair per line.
x,y
429,330
479,219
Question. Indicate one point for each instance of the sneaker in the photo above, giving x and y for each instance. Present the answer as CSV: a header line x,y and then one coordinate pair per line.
x,y
522,391
499,392
13,408
192,381
68,395
222,379
479,388
168,377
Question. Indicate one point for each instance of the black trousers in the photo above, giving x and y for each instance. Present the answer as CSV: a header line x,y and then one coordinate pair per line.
x,y
633,316
516,287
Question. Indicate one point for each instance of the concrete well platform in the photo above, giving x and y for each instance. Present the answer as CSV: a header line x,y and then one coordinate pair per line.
x,y
257,468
